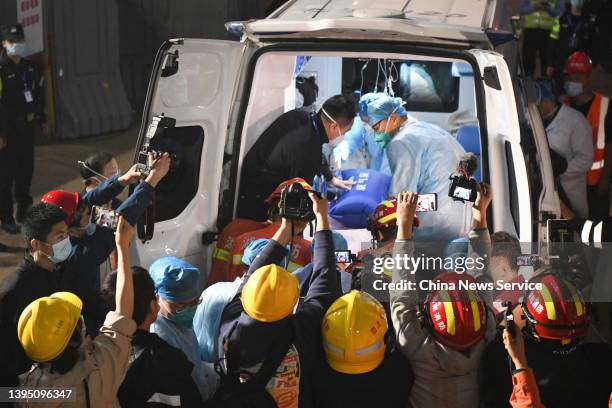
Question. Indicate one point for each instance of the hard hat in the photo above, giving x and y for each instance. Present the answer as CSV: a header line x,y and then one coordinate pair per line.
x,y
578,63
46,325
385,215
353,330
457,316
557,311
270,294
275,195
67,201
175,279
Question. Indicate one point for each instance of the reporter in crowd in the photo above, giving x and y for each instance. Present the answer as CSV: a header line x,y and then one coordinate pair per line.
x,y
157,372
569,372
178,294
52,333
269,351
96,169
54,264
91,244
359,358
444,349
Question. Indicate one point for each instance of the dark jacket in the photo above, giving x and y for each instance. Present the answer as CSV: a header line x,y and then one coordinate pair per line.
x,y
574,376
386,386
30,282
16,80
257,339
155,367
290,147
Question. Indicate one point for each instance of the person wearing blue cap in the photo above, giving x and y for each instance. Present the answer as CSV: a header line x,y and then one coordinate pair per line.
x,y
421,157
176,286
569,135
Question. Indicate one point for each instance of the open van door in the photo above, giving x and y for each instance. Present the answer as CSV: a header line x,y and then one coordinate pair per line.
x,y
193,85
511,206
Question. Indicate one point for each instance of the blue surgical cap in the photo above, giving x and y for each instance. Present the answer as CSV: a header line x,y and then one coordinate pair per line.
x,y
374,107
545,90
175,279
253,249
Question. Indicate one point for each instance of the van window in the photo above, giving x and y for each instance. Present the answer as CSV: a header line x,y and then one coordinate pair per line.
x,y
512,188
179,187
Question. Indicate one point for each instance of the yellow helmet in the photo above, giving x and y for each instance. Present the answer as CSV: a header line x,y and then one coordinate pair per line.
x,y
270,294
353,329
46,325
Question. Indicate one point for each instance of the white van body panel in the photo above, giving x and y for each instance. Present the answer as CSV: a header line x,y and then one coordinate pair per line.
x,y
502,127
199,94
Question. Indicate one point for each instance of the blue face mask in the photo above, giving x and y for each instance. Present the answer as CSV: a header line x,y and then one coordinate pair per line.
x,y
184,317
573,89
61,250
16,49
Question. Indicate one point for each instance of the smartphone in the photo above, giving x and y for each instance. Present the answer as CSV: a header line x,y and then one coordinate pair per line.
x,y
104,217
343,256
509,318
527,260
427,202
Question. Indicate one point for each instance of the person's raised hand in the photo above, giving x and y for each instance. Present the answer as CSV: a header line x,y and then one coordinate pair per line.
x,y
159,168
484,196
132,176
320,207
516,348
124,234
406,210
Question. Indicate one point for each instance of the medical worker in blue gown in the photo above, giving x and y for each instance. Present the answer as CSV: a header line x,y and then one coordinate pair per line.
x,y
421,157
176,285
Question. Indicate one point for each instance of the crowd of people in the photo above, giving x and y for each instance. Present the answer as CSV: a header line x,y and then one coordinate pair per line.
x,y
285,323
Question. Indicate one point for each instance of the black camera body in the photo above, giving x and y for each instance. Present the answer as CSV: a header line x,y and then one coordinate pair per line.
x,y
295,204
153,143
462,188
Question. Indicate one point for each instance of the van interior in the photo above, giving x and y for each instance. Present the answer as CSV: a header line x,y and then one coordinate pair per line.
x,y
435,89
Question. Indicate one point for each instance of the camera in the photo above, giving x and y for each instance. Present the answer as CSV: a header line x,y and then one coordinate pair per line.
x,y
154,144
104,217
463,187
345,257
295,204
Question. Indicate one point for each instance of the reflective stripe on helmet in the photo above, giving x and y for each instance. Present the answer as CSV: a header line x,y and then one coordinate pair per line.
x,y
551,313
575,298
475,310
448,310
387,218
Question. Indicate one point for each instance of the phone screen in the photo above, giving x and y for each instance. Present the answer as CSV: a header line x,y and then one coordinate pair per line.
x,y
462,193
104,217
427,202
343,256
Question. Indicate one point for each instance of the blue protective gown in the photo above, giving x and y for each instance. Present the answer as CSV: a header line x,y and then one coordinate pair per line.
x,y
422,156
185,340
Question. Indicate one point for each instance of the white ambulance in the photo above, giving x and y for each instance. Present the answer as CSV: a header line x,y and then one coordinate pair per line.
x,y
223,95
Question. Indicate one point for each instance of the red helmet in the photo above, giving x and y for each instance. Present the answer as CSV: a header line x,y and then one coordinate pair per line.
x,y
557,311
578,63
457,315
385,215
67,201
275,195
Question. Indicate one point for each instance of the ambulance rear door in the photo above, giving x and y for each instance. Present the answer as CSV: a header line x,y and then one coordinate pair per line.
x,y
193,85
511,206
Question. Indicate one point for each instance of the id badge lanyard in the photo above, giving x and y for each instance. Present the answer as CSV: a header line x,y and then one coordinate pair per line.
x,y
27,91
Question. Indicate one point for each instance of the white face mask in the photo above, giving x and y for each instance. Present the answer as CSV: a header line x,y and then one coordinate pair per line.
x,y
61,250
573,88
334,142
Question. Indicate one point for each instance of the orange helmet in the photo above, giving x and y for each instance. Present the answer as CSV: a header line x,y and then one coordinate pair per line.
x,y
67,201
275,195
578,63
557,311
457,315
385,215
